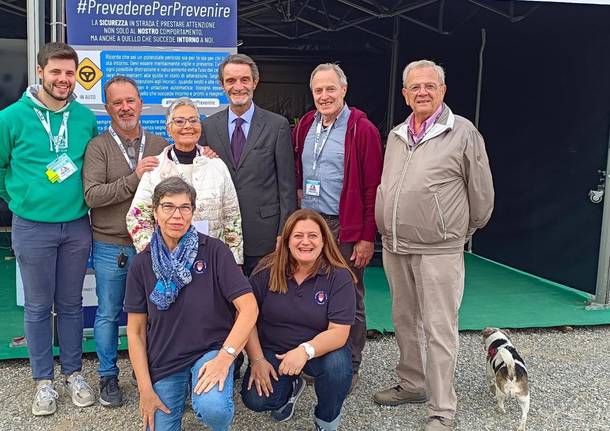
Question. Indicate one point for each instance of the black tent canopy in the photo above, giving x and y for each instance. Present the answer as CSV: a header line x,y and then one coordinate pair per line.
x,y
541,100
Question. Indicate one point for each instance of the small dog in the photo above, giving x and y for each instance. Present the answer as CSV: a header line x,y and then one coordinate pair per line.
x,y
506,372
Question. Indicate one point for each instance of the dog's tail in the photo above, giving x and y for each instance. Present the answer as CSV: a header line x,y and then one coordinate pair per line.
x,y
507,357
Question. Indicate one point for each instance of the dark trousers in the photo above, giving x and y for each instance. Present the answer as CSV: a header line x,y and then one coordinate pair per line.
x,y
357,333
333,378
250,263
52,258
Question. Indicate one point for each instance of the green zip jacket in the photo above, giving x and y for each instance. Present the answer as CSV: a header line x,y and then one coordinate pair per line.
x,y
25,152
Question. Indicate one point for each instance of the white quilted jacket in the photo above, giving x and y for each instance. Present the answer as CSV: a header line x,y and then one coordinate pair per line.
x,y
216,202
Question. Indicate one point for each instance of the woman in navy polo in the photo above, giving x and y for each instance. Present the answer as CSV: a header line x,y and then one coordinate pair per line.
x,y
182,294
307,300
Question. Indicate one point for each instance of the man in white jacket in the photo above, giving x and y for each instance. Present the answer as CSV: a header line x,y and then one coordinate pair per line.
x,y
436,190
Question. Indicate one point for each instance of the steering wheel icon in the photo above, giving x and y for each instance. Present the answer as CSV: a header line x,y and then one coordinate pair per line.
x,y
87,74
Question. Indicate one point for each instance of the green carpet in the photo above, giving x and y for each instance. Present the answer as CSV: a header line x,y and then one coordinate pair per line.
x,y
495,295
11,316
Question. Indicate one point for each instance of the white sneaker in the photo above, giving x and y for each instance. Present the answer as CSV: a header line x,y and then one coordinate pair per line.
x,y
44,400
81,393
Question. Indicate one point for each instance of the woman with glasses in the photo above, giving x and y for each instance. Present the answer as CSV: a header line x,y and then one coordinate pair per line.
x,y
190,310
217,213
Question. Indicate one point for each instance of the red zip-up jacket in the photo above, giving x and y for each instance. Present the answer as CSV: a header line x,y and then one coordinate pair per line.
x,y
362,174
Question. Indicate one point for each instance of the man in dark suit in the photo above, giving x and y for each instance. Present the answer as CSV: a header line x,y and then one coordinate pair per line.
x,y
256,147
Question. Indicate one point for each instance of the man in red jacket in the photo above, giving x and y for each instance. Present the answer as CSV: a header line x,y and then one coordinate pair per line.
x,y
338,163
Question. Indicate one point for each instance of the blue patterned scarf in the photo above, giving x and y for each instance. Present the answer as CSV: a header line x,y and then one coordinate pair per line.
x,y
172,268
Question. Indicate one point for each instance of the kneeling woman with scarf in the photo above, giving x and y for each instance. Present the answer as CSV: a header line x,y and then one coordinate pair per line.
x,y
182,295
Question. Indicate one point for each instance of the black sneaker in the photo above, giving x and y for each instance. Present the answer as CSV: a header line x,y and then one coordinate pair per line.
x,y
310,380
133,379
237,369
110,392
285,412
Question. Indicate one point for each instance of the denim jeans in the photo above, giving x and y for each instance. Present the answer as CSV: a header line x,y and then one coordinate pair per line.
x,y
215,409
52,258
110,290
333,378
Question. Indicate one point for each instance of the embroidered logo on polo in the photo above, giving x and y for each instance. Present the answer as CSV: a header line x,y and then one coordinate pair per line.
x,y
320,297
200,266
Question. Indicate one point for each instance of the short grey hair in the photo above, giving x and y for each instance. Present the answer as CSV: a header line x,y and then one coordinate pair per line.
x,y
120,79
182,101
329,66
173,186
238,59
421,64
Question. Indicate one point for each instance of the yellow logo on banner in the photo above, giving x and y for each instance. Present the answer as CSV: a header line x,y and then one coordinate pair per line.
x,y
88,74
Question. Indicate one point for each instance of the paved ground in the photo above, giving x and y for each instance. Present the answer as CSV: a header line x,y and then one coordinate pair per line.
x,y
569,375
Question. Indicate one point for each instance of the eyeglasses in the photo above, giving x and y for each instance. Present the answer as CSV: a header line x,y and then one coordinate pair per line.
x,y
428,87
170,209
181,121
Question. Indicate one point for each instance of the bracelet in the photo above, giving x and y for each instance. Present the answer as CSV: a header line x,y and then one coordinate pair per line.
x,y
254,361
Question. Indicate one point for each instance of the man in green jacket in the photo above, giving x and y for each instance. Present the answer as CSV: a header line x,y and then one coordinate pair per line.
x,y
43,137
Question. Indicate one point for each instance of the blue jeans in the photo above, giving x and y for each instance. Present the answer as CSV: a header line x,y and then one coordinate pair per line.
x,y
333,378
52,258
215,409
110,290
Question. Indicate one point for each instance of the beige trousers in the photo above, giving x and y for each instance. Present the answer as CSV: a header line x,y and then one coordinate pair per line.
x,y
426,295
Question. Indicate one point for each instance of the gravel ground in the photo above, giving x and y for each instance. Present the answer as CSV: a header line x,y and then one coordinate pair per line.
x,y
569,383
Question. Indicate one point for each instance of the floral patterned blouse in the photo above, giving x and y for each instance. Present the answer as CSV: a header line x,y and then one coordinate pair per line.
x,y
216,202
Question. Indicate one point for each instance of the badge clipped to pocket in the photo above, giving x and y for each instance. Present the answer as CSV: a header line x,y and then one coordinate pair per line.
x,y
60,168
312,187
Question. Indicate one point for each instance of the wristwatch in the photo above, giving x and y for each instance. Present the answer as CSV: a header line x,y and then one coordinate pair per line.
x,y
230,350
309,349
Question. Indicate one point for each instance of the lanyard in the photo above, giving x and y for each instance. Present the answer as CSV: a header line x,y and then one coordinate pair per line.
x,y
122,147
61,140
178,165
318,151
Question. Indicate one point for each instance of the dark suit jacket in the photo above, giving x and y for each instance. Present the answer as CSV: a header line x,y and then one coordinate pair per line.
x,y
264,177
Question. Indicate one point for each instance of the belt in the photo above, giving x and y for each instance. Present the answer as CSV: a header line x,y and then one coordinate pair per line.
x,y
329,217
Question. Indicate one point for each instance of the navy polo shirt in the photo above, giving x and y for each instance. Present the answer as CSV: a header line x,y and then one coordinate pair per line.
x,y
202,316
286,320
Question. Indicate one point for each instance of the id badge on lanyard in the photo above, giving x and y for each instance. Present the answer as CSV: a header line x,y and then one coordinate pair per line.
x,y
122,147
62,167
313,185
57,142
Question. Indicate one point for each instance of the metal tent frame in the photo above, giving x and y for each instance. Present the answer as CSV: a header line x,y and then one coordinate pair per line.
x,y
297,20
